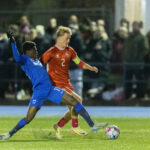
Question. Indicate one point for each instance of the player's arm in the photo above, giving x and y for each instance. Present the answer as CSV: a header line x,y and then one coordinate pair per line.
x,y
84,65
45,57
16,54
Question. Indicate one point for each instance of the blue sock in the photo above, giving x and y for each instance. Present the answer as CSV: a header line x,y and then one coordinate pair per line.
x,y
81,111
20,125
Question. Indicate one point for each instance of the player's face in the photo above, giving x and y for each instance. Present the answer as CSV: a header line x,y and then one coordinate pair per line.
x,y
65,39
34,53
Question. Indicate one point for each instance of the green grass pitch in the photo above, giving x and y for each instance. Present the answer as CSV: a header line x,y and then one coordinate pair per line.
x,y
135,135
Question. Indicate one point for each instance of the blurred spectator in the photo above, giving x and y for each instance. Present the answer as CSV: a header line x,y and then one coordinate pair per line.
x,y
91,43
24,25
117,45
84,27
51,31
147,68
32,35
37,35
93,27
42,43
100,22
3,48
135,50
99,51
74,20
124,23
3,58
76,74
76,41
19,37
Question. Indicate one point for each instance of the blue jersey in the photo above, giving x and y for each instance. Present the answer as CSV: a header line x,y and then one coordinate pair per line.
x,y
33,69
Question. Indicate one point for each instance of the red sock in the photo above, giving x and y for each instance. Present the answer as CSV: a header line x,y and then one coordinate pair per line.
x,y
74,122
62,122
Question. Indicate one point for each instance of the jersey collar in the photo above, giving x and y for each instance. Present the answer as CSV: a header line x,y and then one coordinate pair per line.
x,y
59,48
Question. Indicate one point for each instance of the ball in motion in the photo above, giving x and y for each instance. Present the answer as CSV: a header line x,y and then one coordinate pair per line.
x,y
112,132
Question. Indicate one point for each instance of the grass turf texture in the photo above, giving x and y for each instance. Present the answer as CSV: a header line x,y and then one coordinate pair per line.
x,y
135,135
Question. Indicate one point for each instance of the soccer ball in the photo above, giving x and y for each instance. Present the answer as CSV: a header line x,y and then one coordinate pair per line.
x,y
112,132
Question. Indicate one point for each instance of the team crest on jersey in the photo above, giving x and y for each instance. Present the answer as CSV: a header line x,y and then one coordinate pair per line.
x,y
36,62
66,54
57,56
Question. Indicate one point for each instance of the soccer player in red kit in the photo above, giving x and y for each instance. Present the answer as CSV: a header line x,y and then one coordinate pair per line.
x,y
58,59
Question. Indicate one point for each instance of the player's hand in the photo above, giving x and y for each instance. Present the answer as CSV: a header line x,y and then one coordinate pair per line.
x,y
10,35
95,69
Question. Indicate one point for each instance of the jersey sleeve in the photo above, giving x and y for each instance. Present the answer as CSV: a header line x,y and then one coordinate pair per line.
x,y
74,53
16,54
45,58
76,59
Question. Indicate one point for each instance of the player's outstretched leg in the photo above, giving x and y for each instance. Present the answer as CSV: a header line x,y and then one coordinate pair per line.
x,y
57,127
75,128
30,115
69,100
70,115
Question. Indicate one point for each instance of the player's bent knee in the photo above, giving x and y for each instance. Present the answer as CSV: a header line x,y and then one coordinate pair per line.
x,y
74,102
70,107
77,97
69,99
27,120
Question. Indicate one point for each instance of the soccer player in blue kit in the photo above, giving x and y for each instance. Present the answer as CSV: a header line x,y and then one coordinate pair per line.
x,y
42,88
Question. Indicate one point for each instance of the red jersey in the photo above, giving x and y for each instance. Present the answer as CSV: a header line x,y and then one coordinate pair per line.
x,y
58,65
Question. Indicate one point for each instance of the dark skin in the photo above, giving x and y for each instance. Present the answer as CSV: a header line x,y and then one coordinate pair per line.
x,y
67,99
32,53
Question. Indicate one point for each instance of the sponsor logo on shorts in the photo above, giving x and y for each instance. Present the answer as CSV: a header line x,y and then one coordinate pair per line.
x,y
34,101
59,90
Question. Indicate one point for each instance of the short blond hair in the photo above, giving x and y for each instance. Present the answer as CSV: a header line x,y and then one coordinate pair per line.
x,y
62,30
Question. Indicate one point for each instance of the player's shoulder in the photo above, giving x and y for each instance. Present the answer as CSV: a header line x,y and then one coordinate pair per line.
x,y
51,48
72,52
23,56
70,48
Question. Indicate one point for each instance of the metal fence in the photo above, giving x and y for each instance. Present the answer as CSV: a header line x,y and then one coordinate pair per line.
x,y
12,75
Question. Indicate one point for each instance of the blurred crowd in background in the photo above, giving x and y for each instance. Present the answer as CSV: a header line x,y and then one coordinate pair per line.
x,y
122,58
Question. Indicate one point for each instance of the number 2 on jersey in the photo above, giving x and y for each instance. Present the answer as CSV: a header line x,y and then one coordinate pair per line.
x,y
63,62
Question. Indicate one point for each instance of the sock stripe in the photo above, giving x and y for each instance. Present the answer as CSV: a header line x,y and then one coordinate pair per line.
x,y
78,107
22,122
62,122
74,122
19,125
